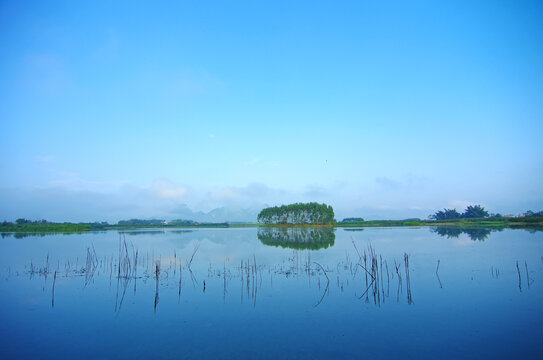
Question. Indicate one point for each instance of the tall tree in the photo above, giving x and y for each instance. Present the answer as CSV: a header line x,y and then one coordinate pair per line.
x,y
475,211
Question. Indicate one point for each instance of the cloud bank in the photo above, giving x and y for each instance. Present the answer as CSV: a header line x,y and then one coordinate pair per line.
x,y
76,199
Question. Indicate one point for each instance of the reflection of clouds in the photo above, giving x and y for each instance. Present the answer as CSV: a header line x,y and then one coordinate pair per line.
x,y
462,242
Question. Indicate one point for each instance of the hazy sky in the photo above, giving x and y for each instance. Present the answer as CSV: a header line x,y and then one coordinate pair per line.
x,y
387,109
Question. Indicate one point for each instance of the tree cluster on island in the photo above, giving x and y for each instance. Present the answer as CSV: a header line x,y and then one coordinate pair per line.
x,y
298,214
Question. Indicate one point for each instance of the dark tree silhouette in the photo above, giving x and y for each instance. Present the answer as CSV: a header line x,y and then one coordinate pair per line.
x,y
475,211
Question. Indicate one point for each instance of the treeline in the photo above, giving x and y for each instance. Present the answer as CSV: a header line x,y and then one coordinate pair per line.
x,y
352,219
531,213
182,222
477,212
35,226
24,225
43,222
140,222
298,214
471,212
164,224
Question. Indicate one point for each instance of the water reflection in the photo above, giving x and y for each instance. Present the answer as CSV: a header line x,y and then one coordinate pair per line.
x,y
475,234
298,238
22,235
375,285
365,273
153,232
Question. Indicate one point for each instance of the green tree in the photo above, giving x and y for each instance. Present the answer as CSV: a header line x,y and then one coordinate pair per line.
x,y
475,211
446,214
298,214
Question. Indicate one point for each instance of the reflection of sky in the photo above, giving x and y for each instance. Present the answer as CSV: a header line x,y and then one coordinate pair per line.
x,y
483,313
233,245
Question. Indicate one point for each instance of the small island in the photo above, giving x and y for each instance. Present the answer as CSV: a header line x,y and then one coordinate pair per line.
x,y
309,214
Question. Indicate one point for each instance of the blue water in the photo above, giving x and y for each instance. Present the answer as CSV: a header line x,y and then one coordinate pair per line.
x,y
472,307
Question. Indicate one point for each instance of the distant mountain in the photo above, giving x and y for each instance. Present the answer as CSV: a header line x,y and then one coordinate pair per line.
x,y
221,214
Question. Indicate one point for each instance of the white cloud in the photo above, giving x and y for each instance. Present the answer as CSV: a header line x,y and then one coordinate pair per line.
x,y
168,190
460,204
224,193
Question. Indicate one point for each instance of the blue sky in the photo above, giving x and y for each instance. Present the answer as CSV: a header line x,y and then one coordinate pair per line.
x,y
382,109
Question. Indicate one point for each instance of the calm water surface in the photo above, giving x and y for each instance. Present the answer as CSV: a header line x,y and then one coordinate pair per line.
x,y
407,293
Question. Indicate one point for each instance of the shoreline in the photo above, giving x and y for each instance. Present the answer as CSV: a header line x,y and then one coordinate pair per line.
x,y
507,223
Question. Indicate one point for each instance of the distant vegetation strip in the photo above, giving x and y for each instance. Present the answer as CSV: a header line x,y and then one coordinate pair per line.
x,y
24,225
533,222
304,216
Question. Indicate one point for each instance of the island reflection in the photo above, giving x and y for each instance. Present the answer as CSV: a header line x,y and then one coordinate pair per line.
x,y
297,238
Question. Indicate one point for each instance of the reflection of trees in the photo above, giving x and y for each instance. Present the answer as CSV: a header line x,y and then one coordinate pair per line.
x,y
478,234
154,232
475,234
22,235
298,238
143,232
447,231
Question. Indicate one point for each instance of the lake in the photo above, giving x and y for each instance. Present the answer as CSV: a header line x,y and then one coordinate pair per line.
x,y
270,293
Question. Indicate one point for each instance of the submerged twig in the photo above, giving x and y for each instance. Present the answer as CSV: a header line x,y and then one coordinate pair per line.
x,y
438,279
519,279
327,284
